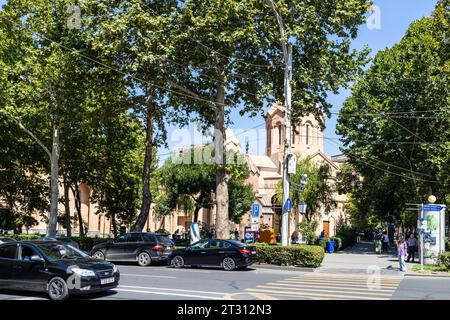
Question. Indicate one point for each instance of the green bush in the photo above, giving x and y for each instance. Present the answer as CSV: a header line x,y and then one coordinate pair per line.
x,y
444,261
23,237
85,243
347,235
294,255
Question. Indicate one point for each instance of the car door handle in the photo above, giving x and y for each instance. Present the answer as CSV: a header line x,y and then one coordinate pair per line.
x,y
221,251
203,252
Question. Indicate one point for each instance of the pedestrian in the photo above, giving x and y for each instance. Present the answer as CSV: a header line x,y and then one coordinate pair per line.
x,y
322,234
412,245
385,240
237,237
402,252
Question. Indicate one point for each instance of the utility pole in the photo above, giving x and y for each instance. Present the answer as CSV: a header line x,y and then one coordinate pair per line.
x,y
287,146
287,53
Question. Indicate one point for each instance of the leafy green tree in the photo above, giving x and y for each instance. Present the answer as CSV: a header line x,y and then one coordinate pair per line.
x,y
318,192
395,126
234,56
188,186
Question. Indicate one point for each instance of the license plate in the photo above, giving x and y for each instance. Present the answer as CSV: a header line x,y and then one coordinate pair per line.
x,y
253,252
107,280
168,248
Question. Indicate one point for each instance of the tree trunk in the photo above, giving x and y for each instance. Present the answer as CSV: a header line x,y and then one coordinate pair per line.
x,y
114,224
196,211
67,209
53,219
222,222
146,175
76,194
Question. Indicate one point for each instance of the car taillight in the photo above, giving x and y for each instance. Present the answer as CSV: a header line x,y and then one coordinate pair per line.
x,y
158,247
244,251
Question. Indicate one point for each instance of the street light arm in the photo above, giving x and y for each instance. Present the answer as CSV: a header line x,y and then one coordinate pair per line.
x,y
21,126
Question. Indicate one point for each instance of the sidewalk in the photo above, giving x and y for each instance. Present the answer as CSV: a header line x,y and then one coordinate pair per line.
x,y
360,259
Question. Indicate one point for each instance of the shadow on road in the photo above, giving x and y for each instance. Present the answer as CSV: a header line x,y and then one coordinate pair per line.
x,y
43,296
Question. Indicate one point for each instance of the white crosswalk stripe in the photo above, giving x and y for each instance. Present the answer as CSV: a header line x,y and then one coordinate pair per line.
x,y
317,286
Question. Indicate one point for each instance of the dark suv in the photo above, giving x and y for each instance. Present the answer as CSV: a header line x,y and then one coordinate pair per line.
x,y
143,247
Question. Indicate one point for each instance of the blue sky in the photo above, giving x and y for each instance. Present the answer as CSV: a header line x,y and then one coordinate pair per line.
x,y
396,16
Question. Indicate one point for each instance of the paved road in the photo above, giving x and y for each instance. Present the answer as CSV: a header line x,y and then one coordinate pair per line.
x,y
161,282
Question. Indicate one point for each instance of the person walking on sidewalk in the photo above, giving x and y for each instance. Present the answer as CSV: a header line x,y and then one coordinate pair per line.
x,y
402,252
385,239
412,244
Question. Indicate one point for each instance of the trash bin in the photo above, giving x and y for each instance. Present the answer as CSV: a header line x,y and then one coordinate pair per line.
x,y
330,246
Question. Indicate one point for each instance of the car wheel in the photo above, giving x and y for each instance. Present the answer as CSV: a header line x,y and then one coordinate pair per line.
x,y
178,262
99,255
57,289
144,259
228,264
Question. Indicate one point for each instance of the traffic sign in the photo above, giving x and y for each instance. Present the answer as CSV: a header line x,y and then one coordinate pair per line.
x,y
255,227
432,207
288,204
255,210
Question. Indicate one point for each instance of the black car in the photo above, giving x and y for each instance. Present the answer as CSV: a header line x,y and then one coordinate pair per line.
x,y
55,268
228,254
143,247
6,239
63,239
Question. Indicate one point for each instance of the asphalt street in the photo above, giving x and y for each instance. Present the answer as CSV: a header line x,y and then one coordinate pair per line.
x,y
162,282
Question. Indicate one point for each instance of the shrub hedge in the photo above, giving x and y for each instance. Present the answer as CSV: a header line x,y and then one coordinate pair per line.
x,y
444,261
85,243
294,255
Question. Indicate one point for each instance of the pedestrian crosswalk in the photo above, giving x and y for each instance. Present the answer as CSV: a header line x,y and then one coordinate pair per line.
x,y
317,286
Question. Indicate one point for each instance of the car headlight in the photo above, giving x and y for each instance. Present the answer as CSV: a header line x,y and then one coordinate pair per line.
x,y
83,272
115,270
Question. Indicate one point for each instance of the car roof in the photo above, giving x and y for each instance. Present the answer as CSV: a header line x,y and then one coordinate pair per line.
x,y
39,242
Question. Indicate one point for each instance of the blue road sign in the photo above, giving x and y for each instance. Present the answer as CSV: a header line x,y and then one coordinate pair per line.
x,y
288,204
432,207
255,210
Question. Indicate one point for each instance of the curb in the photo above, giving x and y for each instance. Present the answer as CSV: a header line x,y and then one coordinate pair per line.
x,y
428,275
283,268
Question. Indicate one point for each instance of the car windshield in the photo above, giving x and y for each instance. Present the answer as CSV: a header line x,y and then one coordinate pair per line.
x,y
58,251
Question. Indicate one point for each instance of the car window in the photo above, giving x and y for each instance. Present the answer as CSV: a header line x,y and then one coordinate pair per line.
x,y
8,252
202,244
226,244
27,253
134,237
121,239
149,237
215,244
235,243
57,251
163,239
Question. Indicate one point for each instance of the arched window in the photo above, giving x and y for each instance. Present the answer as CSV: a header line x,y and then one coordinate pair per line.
x,y
307,133
280,134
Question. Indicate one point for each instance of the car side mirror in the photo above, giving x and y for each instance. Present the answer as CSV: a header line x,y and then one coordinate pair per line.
x,y
36,258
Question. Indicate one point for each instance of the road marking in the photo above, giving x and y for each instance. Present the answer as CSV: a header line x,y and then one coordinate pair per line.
x,y
311,294
178,290
325,283
343,287
337,290
146,276
171,294
335,286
